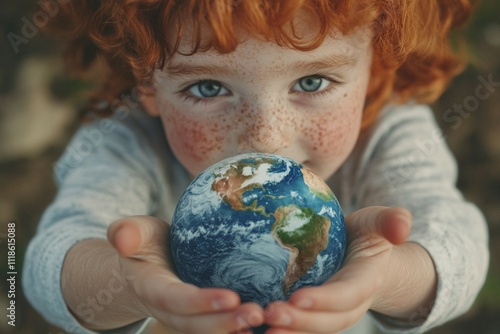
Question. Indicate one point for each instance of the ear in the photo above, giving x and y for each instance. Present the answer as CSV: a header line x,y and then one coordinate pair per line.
x,y
147,98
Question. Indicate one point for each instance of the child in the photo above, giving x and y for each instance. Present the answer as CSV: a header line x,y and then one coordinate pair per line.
x,y
335,85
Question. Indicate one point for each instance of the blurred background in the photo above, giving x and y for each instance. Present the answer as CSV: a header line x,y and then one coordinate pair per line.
x,y
38,104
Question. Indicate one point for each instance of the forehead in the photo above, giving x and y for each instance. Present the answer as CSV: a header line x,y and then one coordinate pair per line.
x,y
336,50
199,37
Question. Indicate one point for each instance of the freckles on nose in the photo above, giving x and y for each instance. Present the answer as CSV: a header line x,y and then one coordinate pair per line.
x,y
264,131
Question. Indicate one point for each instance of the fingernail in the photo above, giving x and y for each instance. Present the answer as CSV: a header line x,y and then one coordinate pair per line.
x,y
220,304
404,218
284,320
255,319
304,303
252,319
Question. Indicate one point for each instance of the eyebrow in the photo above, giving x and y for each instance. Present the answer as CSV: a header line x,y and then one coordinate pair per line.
x,y
181,70
331,62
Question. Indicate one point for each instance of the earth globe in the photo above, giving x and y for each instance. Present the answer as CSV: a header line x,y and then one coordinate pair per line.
x,y
261,225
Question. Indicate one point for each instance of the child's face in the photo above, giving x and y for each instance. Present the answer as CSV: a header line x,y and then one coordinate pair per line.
x,y
264,98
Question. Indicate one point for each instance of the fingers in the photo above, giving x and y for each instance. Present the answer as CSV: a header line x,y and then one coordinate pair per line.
x,y
288,319
189,309
354,285
372,234
140,237
346,293
181,306
125,237
243,317
308,310
393,224
186,299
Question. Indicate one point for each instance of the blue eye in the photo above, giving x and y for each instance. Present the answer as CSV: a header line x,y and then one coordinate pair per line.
x,y
311,84
207,89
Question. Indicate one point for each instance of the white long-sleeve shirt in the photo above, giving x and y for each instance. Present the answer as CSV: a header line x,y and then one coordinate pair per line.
x,y
122,166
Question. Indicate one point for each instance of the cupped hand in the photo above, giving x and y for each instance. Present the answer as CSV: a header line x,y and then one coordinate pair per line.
x,y
360,285
142,242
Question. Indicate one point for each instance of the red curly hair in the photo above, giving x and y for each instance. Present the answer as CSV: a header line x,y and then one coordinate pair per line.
x,y
412,54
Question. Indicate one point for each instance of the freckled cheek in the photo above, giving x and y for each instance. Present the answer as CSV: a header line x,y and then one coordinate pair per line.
x,y
196,143
334,133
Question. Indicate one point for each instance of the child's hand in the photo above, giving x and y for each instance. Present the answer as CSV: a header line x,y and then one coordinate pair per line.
x,y
142,242
360,285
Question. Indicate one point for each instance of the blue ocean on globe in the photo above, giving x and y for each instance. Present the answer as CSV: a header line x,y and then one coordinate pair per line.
x,y
259,224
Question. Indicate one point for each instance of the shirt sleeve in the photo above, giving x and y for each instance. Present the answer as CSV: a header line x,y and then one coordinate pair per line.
x,y
108,171
405,162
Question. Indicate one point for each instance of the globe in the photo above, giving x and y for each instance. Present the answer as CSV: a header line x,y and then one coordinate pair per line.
x,y
259,224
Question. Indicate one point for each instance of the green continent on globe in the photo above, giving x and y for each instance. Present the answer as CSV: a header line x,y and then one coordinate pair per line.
x,y
305,234
232,183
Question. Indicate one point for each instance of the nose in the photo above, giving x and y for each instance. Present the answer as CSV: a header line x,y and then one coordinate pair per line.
x,y
266,127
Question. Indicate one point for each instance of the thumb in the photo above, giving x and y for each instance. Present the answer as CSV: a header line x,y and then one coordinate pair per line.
x,y
393,224
140,237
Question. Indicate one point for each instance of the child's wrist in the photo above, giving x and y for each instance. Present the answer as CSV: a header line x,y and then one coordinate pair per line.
x,y
95,289
410,283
